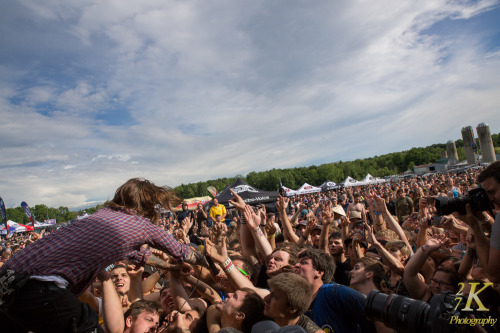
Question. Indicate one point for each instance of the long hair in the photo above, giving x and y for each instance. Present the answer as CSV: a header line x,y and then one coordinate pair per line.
x,y
144,197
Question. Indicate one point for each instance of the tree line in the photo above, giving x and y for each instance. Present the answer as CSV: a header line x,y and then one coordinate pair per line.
x,y
378,166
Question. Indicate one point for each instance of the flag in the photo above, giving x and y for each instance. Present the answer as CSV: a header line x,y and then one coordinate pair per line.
x,y
3,213
27,211
213,191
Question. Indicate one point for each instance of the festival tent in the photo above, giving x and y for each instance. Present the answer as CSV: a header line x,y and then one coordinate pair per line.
x,y
369,179
328,185
349,181
306,188
248,193
14,227
289,192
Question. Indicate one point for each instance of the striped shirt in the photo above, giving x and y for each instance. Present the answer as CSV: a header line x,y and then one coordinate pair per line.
x,y
82,249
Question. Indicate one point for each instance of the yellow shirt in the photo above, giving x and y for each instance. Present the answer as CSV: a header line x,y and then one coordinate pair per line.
x,y
217,210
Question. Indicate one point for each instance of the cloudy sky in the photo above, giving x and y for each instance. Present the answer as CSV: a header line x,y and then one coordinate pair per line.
x,y
93,93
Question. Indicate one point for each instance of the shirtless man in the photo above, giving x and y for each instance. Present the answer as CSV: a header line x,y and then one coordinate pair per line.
x,y
357,206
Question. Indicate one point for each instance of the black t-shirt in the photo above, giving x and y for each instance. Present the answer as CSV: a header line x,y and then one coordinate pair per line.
x,y
343,272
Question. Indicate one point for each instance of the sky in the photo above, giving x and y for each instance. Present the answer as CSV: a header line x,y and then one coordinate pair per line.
x,y
93,93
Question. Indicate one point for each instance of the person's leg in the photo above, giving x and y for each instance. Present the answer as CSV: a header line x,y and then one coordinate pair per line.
x,y
42,307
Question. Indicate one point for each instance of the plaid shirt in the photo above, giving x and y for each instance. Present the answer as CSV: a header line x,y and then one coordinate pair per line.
x,y
80,250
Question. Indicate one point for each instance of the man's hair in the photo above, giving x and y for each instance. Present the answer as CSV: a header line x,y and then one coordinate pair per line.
x,y
335,233
493,170
144,197
405,250
321,261
297,290
253,308
375,266
386,233
118,266
141,306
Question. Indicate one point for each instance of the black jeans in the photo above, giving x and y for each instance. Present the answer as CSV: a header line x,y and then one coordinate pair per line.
x,y
43,307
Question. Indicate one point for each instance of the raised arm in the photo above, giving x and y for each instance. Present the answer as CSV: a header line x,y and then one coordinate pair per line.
x,y
281,205
112,311
254,225
391,222
416,287
394,264
220,256
328,217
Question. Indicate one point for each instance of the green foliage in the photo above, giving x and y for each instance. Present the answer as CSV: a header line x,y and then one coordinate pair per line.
x,y
40,213
378,166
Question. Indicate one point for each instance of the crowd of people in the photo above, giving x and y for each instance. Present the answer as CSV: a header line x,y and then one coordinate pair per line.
x,y
307,262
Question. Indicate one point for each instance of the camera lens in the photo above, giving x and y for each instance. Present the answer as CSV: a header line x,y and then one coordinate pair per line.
x,y
398,312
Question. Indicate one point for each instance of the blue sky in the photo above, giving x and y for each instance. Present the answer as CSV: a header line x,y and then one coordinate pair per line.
x,y
94,93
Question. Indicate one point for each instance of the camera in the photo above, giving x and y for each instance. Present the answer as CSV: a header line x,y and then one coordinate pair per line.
x,y
409,315
477,198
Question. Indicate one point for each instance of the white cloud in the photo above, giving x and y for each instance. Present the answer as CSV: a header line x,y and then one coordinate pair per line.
x,y
179,92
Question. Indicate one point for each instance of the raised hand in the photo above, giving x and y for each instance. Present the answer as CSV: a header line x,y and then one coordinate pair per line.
x,y
380,205
218,254
312,222
282,203
435,242
237,201
253,221
327,215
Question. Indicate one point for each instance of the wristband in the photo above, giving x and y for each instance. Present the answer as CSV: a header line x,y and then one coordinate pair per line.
x,y
306,237
229,269
256,229
423,250
227,262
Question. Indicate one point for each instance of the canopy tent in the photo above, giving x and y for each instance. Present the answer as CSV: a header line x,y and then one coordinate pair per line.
x,y
349,181
193,203
46,223
289,192
328,185
306,188
14,227
248,193
369,179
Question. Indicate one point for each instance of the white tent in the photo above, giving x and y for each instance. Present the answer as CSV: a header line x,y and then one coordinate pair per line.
x,y
289,192
369,179
349,181
306,188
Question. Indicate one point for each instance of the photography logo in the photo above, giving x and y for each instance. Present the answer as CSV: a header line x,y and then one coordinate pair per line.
x,y
468,309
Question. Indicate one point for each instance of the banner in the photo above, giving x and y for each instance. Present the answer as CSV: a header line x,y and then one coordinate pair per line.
x,y
3,213
27,211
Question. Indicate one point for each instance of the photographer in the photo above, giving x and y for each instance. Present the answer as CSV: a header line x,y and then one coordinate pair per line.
x,y
488,252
